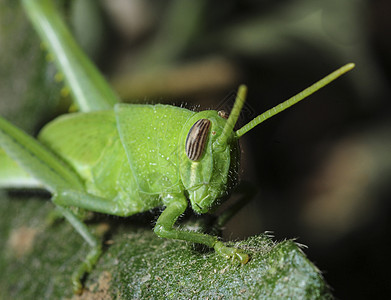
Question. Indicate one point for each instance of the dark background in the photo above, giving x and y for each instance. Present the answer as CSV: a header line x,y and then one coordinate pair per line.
x,y
322,168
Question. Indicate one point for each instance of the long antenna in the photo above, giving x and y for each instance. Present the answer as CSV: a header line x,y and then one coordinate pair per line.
x,y
233,116
291,101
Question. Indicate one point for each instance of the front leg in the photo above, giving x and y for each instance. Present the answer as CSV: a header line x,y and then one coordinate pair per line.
x,y
165,228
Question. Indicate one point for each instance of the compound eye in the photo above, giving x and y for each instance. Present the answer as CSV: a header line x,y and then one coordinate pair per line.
x,y
196,139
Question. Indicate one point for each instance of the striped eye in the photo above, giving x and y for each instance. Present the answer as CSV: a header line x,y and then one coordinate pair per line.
x,y
196,139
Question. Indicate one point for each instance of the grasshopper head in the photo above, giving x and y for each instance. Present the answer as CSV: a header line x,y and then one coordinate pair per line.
x,y
209,148
208,170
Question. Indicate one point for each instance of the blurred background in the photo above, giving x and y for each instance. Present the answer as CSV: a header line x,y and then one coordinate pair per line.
x,y
322,168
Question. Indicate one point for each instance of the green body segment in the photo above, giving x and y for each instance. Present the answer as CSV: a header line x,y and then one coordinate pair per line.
x,y
150,136
119,155
36,160
13,176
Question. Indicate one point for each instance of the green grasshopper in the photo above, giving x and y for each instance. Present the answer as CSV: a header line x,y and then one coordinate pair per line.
x,y
124,159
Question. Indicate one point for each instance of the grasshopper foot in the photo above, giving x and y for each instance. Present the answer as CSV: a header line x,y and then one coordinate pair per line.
x,y
77,287
84,268
231,253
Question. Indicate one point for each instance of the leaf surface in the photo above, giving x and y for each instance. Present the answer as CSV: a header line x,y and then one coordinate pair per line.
x,y
38,259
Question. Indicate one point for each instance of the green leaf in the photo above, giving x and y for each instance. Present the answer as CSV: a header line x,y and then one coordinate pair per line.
x,y
38,259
